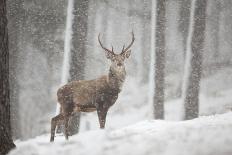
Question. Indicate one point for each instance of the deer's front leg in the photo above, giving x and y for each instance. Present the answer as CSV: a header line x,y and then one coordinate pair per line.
x,y
66,120
54,122
102,112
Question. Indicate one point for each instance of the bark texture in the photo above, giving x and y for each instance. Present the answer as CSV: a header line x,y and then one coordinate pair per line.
x,y
146,35
15,24
78,52
185,6
6,142
193,66
159,59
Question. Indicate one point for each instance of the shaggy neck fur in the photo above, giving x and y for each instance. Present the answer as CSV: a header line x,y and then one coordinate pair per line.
x,y
116,78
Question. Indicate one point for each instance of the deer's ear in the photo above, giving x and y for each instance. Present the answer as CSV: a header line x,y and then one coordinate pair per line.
x,y
127,54
109,55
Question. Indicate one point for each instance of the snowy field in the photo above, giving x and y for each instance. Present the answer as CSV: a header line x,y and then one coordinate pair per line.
x,y
208,135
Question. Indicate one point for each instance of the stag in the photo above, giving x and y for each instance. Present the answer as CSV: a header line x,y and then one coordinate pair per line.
x,y
92,95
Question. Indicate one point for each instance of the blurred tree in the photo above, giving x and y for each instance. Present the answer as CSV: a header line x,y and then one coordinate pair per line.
x,y
15,19
193,65
159,59
213,38
183,26
6,142
215,27
146,35
78,51
35,36
43,21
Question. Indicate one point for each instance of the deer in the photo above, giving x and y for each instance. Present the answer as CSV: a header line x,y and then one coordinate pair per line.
x,y
92,95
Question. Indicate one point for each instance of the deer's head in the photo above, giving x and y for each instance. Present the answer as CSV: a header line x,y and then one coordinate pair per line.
x,y
117,60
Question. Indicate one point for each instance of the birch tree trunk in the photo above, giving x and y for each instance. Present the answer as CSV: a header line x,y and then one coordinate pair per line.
x,y
6,142
193,64
159,59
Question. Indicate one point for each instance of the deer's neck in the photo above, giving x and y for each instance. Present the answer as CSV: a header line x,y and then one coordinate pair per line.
x,y
116,79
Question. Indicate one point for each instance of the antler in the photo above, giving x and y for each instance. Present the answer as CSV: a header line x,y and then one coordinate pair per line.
x,y
128,47
104,47
123,47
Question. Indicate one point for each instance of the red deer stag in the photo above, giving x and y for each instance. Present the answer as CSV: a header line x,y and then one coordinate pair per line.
x,y
92,95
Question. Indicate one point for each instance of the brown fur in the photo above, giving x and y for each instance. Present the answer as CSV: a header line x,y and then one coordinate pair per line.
x,y
92,95
87,96
84,96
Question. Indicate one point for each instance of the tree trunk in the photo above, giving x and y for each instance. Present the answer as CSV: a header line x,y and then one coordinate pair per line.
x,y
78,52
183,26
193,66
184,19
216,29
6,142
159,59
146,24
15,19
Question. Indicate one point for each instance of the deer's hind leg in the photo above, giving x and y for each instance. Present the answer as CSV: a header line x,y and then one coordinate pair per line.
x,y
68,111
54,122
59,127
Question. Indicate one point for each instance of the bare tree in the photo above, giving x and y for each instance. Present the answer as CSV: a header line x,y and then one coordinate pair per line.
x,y
6,142
193,66
78,52
159,59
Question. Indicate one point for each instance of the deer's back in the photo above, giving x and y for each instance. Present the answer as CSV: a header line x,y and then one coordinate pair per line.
x,y
83,92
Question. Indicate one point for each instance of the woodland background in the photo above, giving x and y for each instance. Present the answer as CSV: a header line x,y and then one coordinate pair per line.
x,y
36,44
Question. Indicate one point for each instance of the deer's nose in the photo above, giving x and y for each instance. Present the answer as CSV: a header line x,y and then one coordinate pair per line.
x,y
119,64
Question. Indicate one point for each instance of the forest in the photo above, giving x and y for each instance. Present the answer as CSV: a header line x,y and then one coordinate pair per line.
x,y
104,76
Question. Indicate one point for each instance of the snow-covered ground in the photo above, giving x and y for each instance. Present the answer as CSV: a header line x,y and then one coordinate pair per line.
x,y
207,135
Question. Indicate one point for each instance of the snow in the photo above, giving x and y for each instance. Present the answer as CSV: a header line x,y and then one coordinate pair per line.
x,y
207,135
